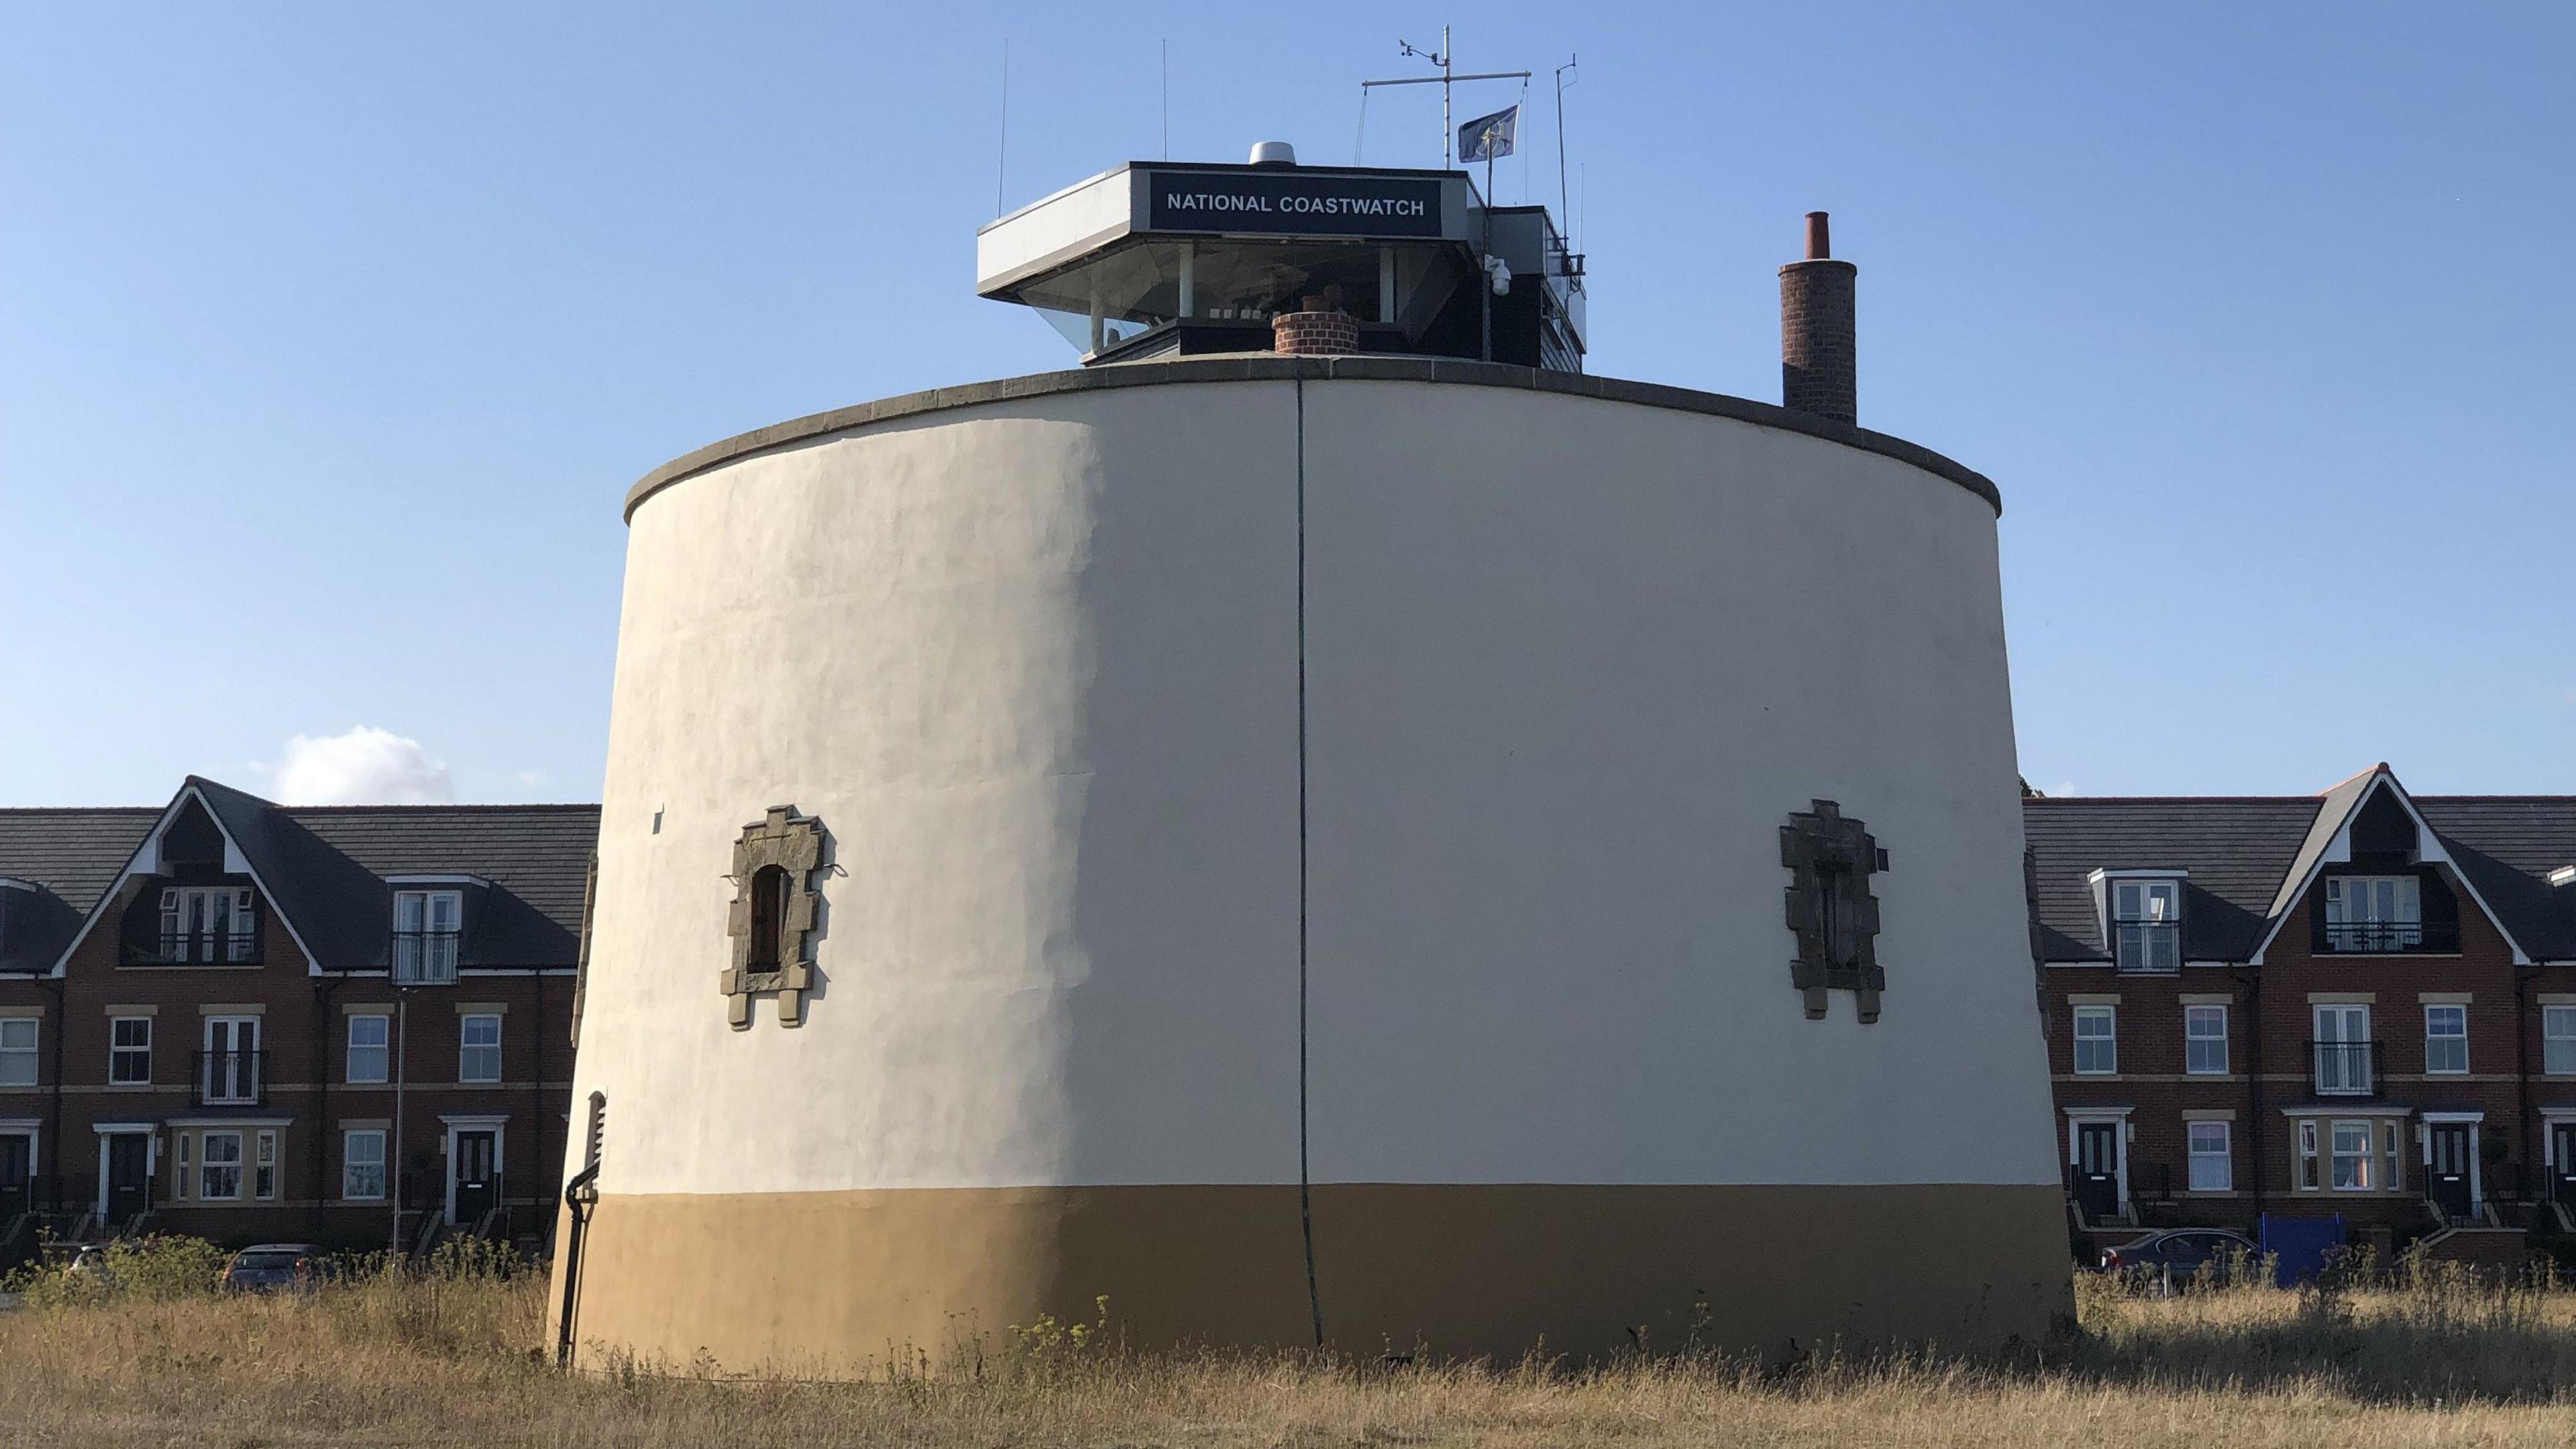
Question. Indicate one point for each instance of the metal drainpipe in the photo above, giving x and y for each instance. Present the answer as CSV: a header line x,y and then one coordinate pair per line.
x,y
2522,978
402,1038
54,1179
2252,976
322,993
536,1092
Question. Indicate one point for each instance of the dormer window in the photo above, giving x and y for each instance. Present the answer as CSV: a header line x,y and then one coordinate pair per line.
x,y
2146,924
2374,913
205,925
427,927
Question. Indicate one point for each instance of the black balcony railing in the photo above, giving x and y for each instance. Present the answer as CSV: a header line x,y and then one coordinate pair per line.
x,y
198,948
2389,938
2345,1068
2149,946
425,958
231,1079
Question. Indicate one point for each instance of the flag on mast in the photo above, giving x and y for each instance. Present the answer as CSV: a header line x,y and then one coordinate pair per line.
x,y
1488,137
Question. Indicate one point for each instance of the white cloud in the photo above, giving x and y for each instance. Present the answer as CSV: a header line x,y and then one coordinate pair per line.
x,y
364,766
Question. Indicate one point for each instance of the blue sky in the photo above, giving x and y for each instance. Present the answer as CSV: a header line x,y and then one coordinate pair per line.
x,y
330,336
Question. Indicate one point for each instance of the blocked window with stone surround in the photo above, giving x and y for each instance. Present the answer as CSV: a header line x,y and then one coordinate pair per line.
x,y
776,906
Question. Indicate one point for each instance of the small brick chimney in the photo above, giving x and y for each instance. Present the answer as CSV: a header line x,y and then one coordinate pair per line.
x,y
1320,330
1819,348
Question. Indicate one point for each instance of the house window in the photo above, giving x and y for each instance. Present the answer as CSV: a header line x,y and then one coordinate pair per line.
x,y
2097,1047
208,924
222,1166
2146,920
478,1054
2204,1040
2557,1040
2212,1170
129,1051
2342,1050
2446,1039
368,1036
18,1051
427,926
2374,913
2388,1177
362,1165
264,1166
187,1167
2308,1154
2352,1156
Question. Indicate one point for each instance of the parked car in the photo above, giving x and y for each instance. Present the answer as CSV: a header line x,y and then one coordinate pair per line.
x,y
89,1264
2180,1252
270,1267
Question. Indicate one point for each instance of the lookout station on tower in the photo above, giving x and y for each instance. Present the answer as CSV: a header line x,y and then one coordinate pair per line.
x,y
1161,259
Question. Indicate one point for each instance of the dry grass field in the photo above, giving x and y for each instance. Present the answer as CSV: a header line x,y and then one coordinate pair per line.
x,y
456,1359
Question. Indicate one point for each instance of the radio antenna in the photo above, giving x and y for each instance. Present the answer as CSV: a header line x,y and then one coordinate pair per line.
x,y
1441,59
1167,100
1563,209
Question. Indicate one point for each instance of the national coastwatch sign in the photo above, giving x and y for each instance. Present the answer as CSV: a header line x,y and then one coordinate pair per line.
x,y
1287,203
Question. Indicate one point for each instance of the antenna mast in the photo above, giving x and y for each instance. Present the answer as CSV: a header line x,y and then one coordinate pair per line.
x,y
1448,132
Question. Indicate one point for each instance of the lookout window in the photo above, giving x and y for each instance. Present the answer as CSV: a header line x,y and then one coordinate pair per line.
x,y
774,913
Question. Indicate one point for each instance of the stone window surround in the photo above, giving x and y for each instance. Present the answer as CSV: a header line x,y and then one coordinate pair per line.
x,y
794,843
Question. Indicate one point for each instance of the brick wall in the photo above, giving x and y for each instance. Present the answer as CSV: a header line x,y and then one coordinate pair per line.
x,y
303,1031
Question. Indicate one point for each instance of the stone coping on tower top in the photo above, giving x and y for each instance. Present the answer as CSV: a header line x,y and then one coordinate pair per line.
x,y
1257,367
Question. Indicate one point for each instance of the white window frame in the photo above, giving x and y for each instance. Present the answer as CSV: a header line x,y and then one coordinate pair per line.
x,y
264,1166
351,1162
208,1166
19,1061
2379,901
2365,1162
2458,1012
2346,1082
2558,1040
120,1055
2107,1040
383,1049
2392,1179
189,915
467,1048
2221,1159
2310,1177
2146,925
428,927
242,1084
2197,1044
186,1186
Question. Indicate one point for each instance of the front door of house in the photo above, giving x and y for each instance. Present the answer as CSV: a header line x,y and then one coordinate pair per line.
x,y
17,1175
2563,1143
129,1175
2097,1170
2448,1177
478,1174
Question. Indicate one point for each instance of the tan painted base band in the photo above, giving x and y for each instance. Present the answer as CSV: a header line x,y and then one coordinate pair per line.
x,y
834,1281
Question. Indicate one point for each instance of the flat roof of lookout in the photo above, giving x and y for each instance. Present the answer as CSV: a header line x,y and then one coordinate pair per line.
x,y
1264,368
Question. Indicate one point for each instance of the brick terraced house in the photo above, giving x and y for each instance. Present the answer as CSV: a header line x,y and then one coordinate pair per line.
x,y
251,1022
2358,1003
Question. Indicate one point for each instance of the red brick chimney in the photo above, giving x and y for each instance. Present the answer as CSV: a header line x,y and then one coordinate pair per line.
x,y
1321,330
1819,348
